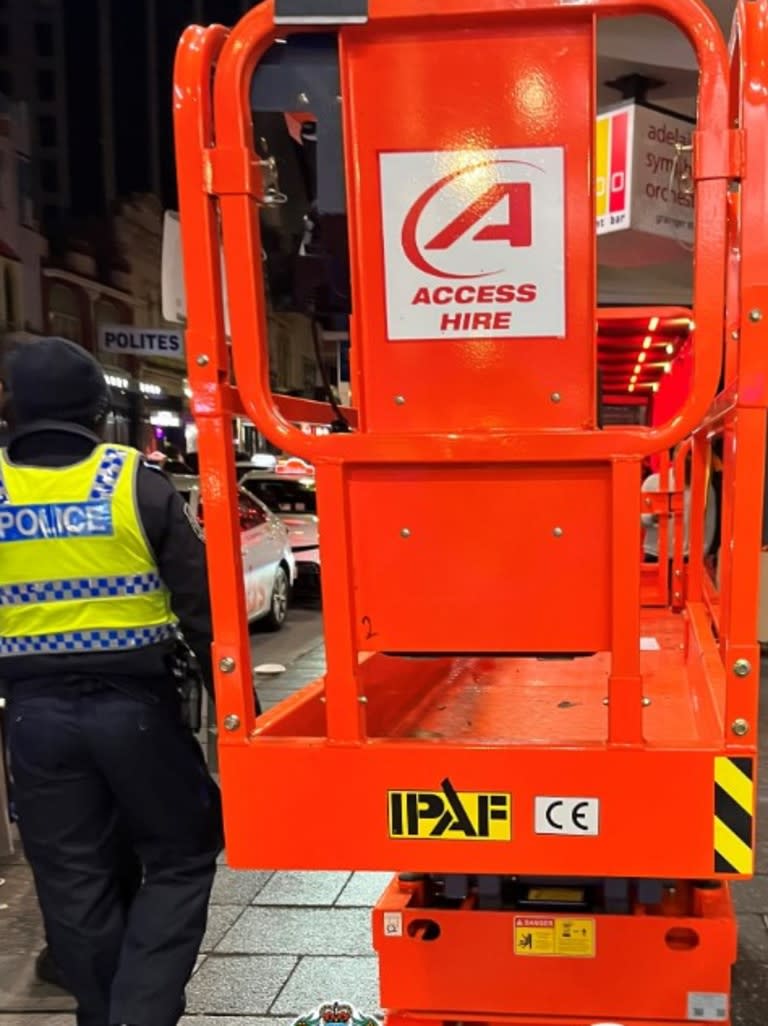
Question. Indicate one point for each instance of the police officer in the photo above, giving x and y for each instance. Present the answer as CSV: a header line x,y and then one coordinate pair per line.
x,y
100,566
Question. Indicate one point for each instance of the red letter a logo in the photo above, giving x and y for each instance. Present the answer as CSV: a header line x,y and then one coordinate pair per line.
x,y
516,230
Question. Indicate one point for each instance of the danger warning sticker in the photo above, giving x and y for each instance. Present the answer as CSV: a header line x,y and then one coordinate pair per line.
x,y
555,936
474,243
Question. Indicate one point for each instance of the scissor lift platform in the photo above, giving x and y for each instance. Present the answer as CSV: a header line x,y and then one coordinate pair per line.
x,y
443,763
520,729
562,703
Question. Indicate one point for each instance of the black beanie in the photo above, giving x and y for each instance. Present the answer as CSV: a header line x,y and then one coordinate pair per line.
x,y
55,379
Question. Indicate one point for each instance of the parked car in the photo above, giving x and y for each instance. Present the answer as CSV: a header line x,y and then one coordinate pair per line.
x,y
292,497
269,566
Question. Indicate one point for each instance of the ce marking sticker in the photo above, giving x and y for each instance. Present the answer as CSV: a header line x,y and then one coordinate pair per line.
x,y
573,817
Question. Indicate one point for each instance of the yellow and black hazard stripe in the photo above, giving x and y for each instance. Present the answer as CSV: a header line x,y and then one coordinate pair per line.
x,y
734,815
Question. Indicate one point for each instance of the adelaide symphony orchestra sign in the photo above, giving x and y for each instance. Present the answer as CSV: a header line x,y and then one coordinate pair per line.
x,y
474,243
643,186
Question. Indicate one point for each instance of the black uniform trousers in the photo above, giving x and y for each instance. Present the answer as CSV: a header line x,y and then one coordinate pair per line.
x,y
95,768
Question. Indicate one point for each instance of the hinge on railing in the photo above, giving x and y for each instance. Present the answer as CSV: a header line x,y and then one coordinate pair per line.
x,y
236,171
718,154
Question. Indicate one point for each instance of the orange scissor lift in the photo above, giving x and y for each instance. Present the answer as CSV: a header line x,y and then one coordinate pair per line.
x,y
570,803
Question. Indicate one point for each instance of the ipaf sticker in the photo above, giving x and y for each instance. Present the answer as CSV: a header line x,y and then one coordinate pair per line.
x,y
450,815
555,936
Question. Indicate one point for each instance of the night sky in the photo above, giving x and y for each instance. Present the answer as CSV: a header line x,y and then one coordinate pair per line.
x,y
130,86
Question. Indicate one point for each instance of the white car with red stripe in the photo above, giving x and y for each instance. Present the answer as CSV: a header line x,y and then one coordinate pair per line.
x,y
289,492
269,568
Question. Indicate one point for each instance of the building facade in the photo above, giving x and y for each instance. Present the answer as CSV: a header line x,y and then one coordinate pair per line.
x,y
22,247
33,70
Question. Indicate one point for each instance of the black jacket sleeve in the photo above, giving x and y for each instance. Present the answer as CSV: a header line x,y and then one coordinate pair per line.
x,y
179,549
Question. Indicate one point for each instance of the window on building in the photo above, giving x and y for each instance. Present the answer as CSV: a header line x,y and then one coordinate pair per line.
x,y
49,176
46,85
64,314
46,130
11,298
108,312
44,39
27,212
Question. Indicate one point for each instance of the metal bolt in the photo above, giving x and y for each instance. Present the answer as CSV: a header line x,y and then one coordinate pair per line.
x,y
646,702
227,664
735,336
755,315
202,360
558,532
606,701
405,532
740,727
742,667
362,699
555,397
677,595
399,400
231,722
303,98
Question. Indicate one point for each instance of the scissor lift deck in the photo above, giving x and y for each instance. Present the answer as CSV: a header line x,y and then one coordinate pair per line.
x,y
447,725
527,726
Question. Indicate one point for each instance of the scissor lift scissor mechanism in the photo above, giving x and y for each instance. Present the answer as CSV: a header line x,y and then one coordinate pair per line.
x,y
570,804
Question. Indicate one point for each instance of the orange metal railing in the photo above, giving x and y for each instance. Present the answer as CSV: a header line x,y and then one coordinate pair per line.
x,y
220,197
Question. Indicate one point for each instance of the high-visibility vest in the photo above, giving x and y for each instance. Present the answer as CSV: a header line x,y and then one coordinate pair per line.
x,y
76,571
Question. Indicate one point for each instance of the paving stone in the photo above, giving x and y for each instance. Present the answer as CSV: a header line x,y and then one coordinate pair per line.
x,y
750,987
238,985
753,938
237,886
761,862
317,980
220,919
303,889
23,933
20,991
364,890
36,1019
269,697
18,887
227,1020
751,896
300,931
15,858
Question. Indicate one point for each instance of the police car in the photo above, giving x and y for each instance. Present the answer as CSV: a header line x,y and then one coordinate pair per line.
x,y
290,494
269,567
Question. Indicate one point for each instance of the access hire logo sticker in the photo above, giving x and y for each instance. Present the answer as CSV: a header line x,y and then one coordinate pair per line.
x,y
474,243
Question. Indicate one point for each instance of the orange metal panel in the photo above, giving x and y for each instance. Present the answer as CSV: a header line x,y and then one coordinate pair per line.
x,y
641,966
657,805
537,85
453,536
